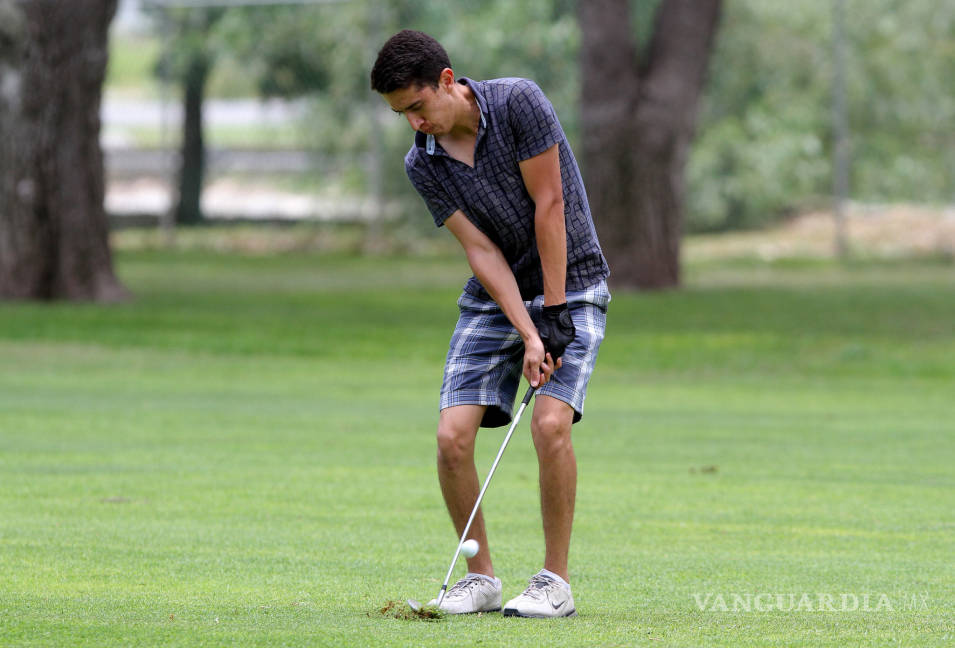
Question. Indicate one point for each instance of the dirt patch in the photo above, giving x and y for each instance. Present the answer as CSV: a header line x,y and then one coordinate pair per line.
x,y
401,610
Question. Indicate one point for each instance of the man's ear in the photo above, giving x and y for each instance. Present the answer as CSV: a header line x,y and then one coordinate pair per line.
x,y
446,79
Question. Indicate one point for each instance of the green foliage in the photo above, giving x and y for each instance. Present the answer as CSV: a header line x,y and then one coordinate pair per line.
x,y
478,37
245,456
760,145
904,85
764,143
189,37
272,45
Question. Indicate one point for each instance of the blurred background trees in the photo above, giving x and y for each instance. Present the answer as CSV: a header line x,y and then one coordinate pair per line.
x,y
764,145
762,148
264,111
189,53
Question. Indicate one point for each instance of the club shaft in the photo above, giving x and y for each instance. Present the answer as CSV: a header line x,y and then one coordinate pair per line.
x,y
487,481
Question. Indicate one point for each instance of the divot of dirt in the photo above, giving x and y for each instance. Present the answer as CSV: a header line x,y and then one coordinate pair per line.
x,y
401,610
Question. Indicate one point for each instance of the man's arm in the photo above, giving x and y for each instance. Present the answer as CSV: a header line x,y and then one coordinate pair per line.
x,y
492,270
541,175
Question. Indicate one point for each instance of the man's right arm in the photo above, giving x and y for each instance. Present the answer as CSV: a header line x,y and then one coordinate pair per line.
x,y
492,270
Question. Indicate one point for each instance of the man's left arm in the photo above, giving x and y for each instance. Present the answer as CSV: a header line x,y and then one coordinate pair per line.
x,y
541,175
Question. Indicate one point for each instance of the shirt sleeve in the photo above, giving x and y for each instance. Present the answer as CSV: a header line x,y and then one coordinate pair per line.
x,y
532,120
435,197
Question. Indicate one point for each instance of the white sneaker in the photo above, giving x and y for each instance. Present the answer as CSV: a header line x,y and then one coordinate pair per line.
x,y
543,598
473,593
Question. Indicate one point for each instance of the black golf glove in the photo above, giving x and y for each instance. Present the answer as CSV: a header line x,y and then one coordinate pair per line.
x,y
556,329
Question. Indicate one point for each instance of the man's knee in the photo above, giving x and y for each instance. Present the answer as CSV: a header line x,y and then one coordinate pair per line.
x,y
551,426
455,442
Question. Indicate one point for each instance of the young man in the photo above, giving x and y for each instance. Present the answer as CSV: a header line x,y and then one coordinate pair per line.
x,y
492,164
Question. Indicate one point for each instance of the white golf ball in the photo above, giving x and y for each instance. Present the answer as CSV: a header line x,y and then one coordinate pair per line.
x,y
470,548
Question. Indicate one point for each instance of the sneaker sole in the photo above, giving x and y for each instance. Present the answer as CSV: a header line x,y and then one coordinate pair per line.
x,y
514,612
474,612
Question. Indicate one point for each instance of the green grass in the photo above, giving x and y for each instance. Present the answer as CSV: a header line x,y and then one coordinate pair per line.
x,y
244,456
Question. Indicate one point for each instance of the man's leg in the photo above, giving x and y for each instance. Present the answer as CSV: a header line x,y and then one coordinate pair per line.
x,y
457,429
545,596
550,428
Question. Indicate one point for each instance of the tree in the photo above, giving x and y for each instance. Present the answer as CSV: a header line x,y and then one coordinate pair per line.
x,y
193,167
190,59
53,228
279,57
637,122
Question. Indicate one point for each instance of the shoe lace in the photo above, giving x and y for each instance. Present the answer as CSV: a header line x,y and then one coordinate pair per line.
x,y
464,586
538,587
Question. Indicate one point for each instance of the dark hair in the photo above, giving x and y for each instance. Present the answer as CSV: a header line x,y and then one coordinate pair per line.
x,y
408,58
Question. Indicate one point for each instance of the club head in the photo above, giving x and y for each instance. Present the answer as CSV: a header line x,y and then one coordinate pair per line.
x,y
414,605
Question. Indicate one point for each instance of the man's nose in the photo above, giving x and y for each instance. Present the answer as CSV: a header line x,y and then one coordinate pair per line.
x,y
414,120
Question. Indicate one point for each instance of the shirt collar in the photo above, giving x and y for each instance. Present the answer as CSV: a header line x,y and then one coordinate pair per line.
x,y
482,104
428,141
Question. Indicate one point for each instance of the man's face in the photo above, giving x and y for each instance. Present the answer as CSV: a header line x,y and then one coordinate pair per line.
x,y
427,109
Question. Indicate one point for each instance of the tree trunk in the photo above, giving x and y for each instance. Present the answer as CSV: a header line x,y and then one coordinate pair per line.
x,y
637,124
192,172
53,227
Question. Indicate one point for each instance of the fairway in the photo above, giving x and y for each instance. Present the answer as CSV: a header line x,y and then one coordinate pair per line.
x,y
244,456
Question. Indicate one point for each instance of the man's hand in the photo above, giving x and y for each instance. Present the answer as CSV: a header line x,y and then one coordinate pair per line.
x,y
556,329
491,268
538,365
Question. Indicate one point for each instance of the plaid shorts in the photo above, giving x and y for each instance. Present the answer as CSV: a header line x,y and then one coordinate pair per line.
x,y
486,355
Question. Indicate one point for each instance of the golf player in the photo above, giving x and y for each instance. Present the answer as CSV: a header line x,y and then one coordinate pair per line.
x,y
493,165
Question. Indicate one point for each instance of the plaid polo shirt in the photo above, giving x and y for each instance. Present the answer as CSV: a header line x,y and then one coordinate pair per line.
x,y
517,123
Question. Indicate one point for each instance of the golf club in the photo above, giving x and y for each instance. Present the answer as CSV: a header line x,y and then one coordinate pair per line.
x,y
477,504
